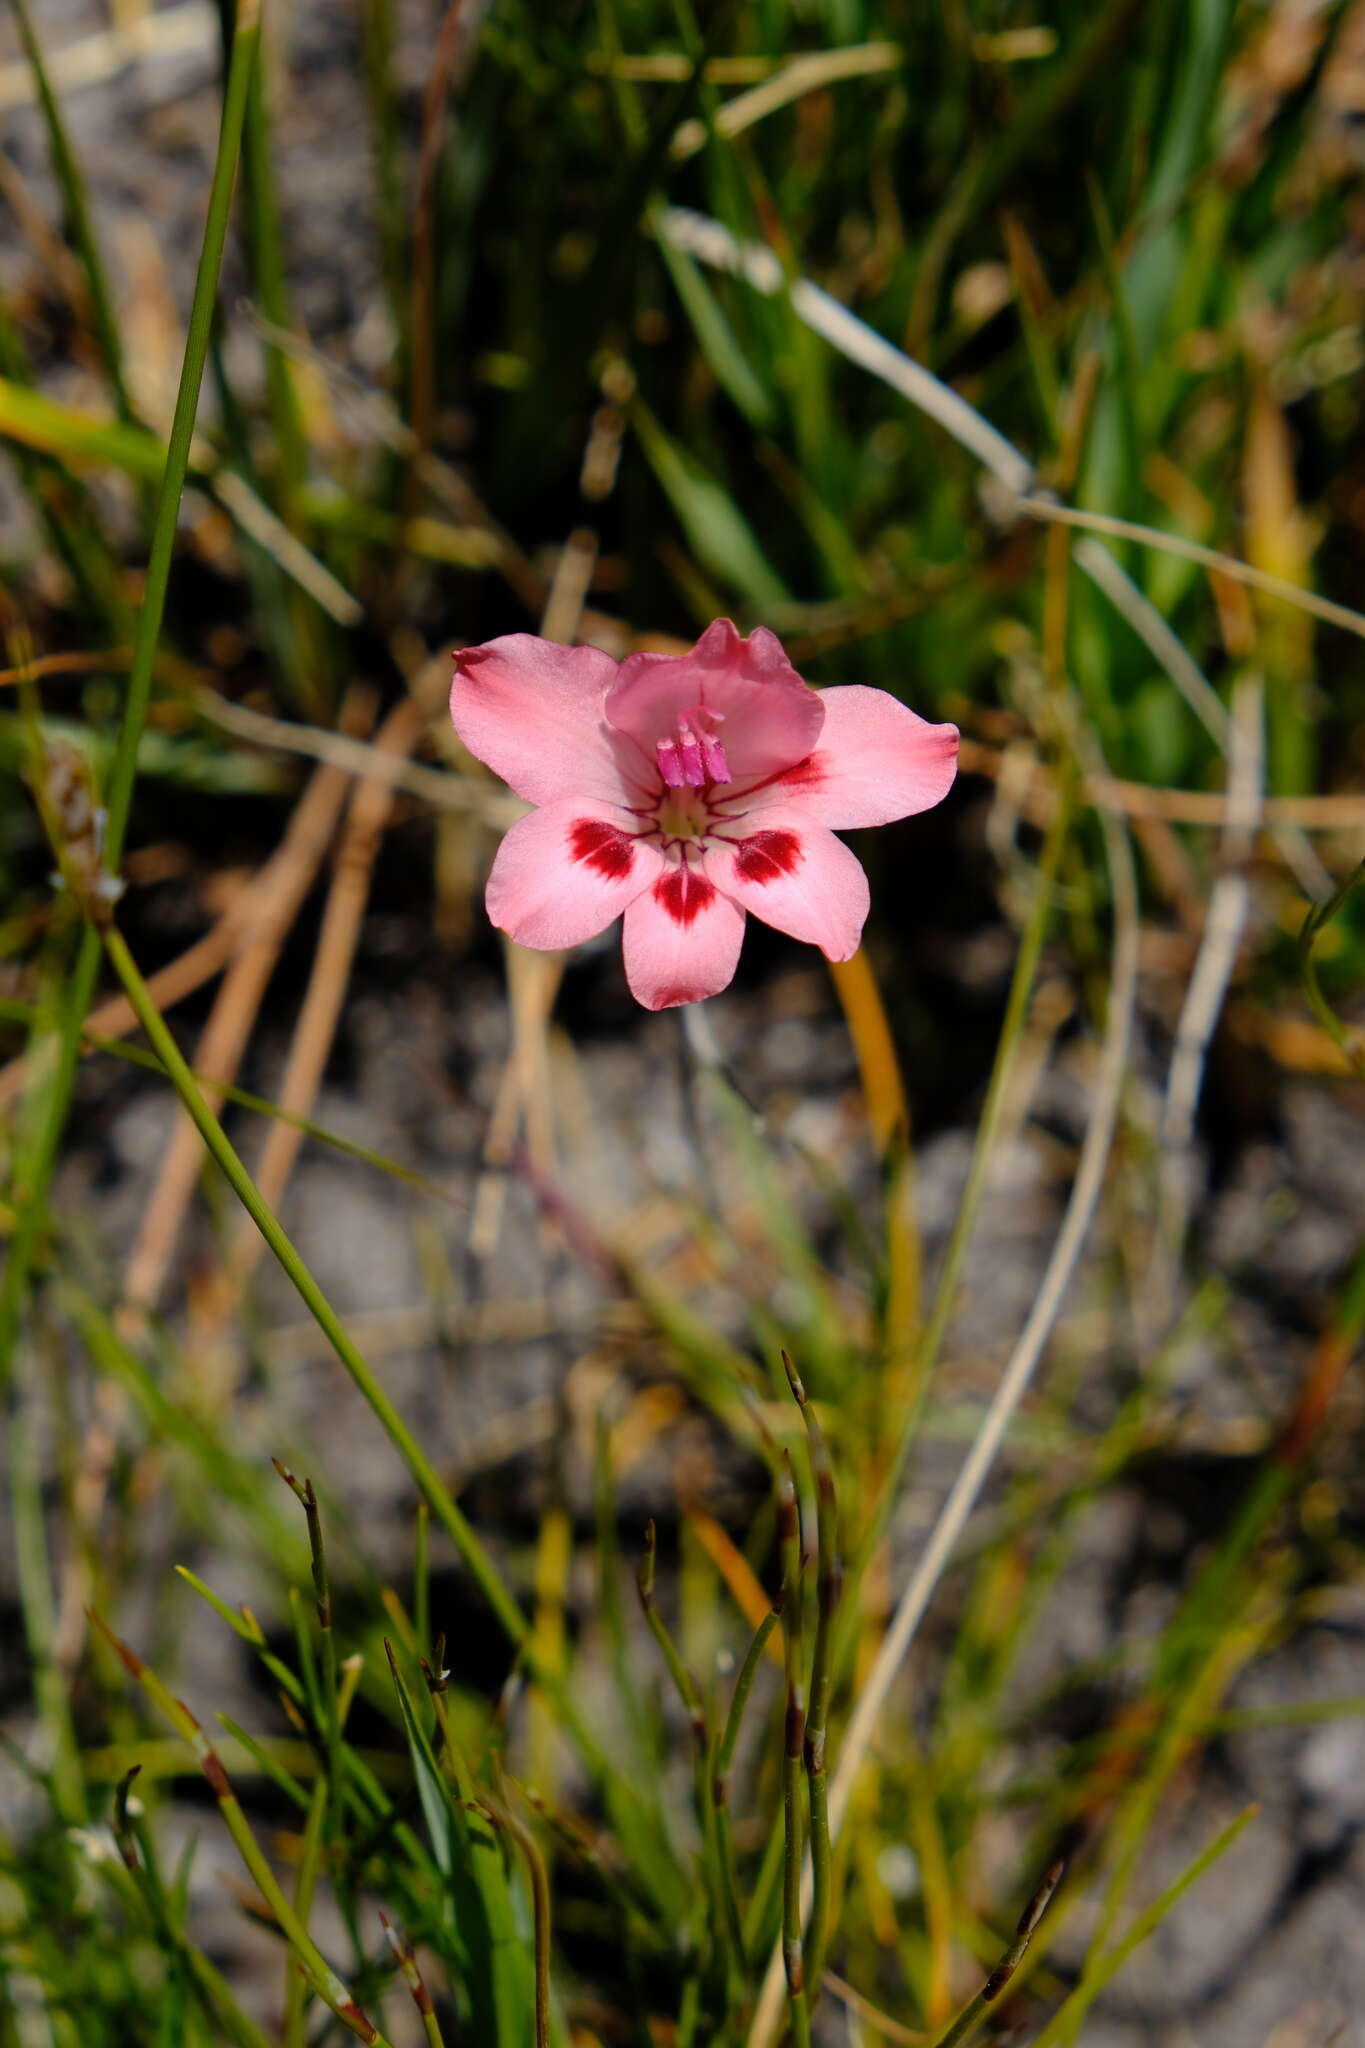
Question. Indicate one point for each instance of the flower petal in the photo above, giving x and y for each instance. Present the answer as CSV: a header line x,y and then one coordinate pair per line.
x,y
563,873
767,717
681,940
795,875
877,760
532,711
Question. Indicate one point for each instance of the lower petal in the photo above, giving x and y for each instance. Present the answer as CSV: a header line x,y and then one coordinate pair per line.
x,y
875,760
562,874
681,941
798,877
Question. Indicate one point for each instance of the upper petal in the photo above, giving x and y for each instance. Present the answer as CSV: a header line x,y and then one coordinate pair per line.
x,y
767,717
876,760
532,711
795,875
563,873
681,940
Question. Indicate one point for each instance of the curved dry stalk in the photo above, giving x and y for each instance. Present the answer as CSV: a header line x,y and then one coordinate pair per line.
x,y
1080,1210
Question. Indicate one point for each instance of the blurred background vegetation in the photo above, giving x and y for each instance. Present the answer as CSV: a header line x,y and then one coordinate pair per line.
x,y
476,363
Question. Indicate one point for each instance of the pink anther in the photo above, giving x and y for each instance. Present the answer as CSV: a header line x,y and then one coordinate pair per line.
x,y
692,755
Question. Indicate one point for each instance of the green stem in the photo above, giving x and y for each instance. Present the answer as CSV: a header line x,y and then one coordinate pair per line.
x,y
683,1680
296,1987
471,1551
304,1492
829,1588
720,1773
540,1906
416,1983
713,1843
323,1978
794,1729
972,2014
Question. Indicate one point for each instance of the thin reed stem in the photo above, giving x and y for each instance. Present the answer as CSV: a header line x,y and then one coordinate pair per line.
x,y
683,1680
794,1729
829,1586
306,1495
969,2019
467,1544
323,1978
412,1976
540,1904
721,1764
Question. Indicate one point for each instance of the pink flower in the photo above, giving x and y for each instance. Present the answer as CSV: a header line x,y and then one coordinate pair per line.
x,y
681,791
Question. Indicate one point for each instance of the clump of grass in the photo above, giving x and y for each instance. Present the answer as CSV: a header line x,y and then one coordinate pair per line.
x,y
644,278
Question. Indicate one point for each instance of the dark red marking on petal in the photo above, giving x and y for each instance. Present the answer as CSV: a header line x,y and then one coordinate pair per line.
x,y
600,846
670,998
683,894
763,856
807,774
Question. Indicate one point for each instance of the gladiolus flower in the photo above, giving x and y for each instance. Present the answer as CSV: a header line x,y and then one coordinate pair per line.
x,y
680,791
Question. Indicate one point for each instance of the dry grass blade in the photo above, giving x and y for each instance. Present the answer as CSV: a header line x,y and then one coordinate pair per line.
x,y
809,73
225,1037
315,1031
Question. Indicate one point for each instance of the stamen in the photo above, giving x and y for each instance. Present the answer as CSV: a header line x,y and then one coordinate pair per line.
x,y
713,753
694,768
693,755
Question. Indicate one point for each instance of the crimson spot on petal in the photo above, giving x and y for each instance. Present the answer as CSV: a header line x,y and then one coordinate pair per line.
x,y
604,847
807,774
766,855
684,895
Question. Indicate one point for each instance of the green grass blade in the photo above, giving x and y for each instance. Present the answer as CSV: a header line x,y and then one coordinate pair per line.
x,y
35,1169
79,223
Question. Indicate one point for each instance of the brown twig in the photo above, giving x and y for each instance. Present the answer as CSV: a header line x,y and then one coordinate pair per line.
x,y
315,1031
224,1040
